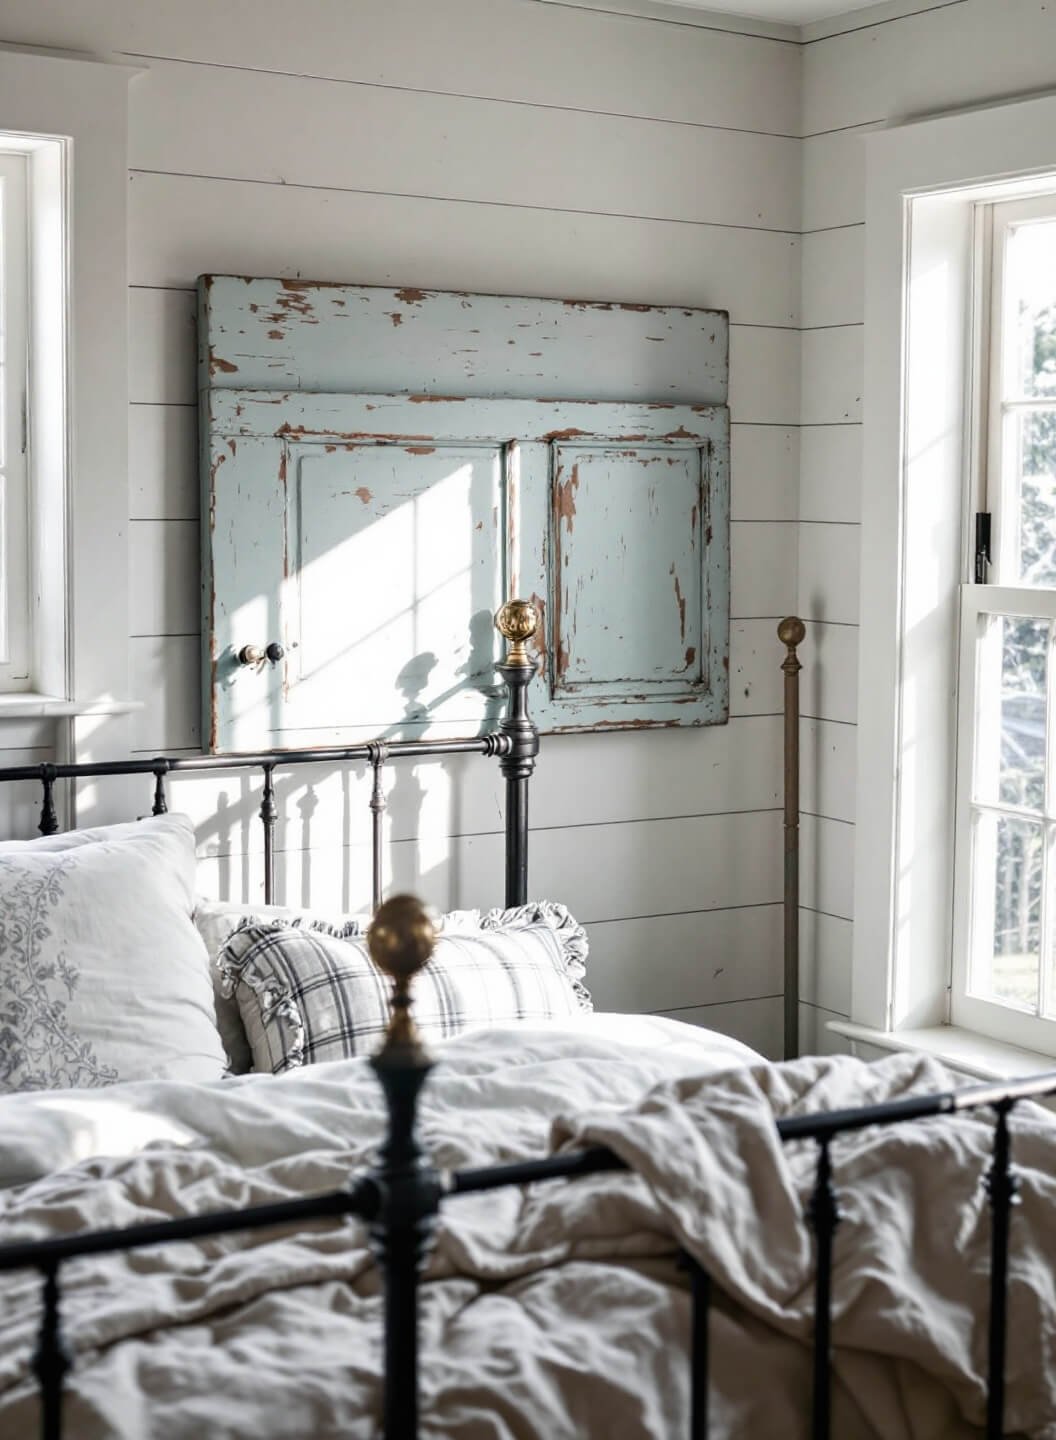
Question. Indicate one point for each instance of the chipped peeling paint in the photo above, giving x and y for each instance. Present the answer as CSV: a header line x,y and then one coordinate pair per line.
x,y
600,509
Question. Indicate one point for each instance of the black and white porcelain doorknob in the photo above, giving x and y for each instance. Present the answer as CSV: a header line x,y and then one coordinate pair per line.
x,y
254,655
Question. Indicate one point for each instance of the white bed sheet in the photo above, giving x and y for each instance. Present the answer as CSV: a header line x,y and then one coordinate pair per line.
x,y
52,1130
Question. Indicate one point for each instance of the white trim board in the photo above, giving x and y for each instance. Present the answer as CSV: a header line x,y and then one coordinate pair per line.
x,y
84,104
683,12
670,12
870,15
921,182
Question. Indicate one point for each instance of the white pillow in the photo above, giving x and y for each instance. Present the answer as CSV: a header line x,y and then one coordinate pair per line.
x,y
103,976
309,995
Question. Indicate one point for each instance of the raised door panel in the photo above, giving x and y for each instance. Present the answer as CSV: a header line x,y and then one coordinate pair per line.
x,y
617,510
394,574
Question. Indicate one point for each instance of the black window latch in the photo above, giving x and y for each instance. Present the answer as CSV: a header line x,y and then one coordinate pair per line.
x,y
982,545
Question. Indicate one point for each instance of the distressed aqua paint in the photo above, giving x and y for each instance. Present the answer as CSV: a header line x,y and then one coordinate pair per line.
x,y
373,534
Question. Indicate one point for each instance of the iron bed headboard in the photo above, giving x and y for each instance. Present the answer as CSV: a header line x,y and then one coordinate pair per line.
x,y
515,743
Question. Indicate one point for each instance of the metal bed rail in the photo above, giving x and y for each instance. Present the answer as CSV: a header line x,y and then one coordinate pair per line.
x,y
401,1196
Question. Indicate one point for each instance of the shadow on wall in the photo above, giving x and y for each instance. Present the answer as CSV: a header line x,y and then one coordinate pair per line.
x,y
323,852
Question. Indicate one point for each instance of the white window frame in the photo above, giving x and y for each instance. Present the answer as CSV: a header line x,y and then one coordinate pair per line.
x,y
974,1012
1001,594
15,606
923,184
71,115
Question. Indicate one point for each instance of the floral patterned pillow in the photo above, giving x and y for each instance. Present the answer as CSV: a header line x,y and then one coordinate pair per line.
x,y
103,976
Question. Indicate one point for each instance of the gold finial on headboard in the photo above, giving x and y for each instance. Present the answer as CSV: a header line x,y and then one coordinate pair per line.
x,y
517,622
791,631
400,940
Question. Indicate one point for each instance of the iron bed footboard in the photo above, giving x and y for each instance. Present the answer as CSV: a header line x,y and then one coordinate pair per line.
x,y
400,1198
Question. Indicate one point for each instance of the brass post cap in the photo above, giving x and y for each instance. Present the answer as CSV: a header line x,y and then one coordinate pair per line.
x,y
791,631
401,938
517,621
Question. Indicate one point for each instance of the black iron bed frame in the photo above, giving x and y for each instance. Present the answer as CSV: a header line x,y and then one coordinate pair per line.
x,y
400,1197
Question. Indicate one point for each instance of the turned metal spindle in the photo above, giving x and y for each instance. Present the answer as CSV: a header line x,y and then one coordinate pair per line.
x,y
517,622
160,806
269,813
51,1360
401,939
700,1300
1001,1186
823,1216
49,820
378,754
791,632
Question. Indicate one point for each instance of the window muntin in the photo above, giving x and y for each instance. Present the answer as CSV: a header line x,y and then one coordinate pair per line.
x,y
15,608
1004,963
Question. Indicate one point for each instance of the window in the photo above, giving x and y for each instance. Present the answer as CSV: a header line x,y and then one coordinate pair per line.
x,y
15,639
1004,950
921,642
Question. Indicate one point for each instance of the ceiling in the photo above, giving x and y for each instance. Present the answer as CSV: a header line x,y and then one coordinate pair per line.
x,y
790,12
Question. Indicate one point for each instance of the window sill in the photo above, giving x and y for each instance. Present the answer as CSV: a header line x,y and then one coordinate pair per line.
x,y
963,1050
27,705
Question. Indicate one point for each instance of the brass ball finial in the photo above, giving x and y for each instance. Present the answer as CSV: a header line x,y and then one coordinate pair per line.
x,y
791,631
517,622
400,940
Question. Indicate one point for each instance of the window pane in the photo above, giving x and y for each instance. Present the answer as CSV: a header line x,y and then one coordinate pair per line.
x,y
1030,460
1010,721
1030,297
1006,920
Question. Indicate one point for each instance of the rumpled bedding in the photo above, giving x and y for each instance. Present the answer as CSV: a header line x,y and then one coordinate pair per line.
x,y
549,1312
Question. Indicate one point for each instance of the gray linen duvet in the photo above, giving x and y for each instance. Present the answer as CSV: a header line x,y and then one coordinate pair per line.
x,y
549,1313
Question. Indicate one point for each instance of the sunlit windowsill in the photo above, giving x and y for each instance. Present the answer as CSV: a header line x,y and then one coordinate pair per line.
x,y
963,1050
27,705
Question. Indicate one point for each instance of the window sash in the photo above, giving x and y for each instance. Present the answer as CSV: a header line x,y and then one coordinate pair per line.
x,y
15,598
1014,1025
1001,404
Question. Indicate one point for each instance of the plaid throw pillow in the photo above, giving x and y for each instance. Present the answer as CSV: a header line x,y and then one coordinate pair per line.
x,y
309,993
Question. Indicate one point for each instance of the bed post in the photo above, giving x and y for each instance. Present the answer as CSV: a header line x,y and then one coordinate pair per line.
x,y
791,632
401,940
517,622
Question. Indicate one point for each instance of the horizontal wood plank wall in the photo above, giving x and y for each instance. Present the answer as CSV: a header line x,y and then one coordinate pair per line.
x,y
469,146
966,53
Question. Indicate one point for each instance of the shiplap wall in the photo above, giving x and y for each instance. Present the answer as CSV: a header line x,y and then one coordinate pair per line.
x,y
967,53
486,145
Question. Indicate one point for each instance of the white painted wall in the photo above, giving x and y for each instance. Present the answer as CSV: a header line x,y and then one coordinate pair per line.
x,y
487,145
967,53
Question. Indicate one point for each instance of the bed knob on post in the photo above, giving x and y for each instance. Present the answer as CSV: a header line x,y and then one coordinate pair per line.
x,y
517,622
401,940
